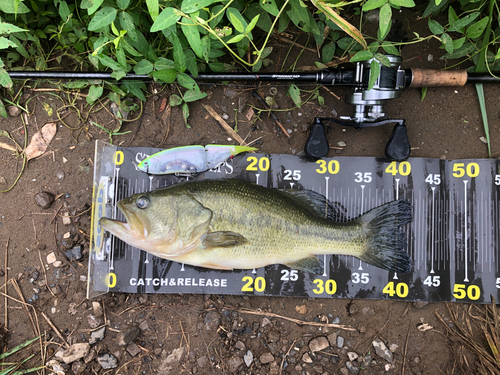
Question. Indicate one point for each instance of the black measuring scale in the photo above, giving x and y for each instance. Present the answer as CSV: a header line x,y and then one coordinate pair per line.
x,y
452,240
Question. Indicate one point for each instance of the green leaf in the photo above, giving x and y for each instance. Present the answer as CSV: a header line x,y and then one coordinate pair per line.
x,y
463,22
385,20
9,6
167,18
252,24
497,56
7,28
390,48
186,81
192,95
123,4
236,39
179,56
109,62
96,4
373,47
447,42
452,16
236,19
6,43
461,52
95,92
403,3
191,63
153,8
64,12
270,7
362,56
185,114
328,52
435,27
374,73
136,89
205,47
321,100
166,75
457,43
424,93
102,18
383,59
294,93
162,63
143,67
127,22
175,100
484,115
373,4
192,35
216,10
474,31
3,112
190,6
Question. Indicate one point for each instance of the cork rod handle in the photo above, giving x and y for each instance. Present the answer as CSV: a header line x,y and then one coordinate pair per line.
x,y
434,78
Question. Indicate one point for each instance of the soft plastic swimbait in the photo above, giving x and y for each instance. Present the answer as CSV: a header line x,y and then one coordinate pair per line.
x,y
190,159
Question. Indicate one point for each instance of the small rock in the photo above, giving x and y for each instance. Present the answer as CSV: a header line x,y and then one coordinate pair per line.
x,y
307,358
133,349
75,253
319,343
352,367
265,322
144,325
158,351
430,57
107,361
13,110
44,199
94,321
176,355
91,356
332,339
78,367
352,356
367,360
202,361
289,131
240,345
484,140
342,144
97,308
212,321
301,309
57,264
234,363
382,351
56,367
353,309
273,336
229,93
124,338
3,181
416,360
393,348
266,358
66,219
225,116
60,175
51,258
75,352
248,358
72,308
340,342
97,336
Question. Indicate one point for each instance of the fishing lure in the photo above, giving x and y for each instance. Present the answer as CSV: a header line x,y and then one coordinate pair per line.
x,y
190,159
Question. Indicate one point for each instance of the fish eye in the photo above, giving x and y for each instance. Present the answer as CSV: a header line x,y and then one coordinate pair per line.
x,y
145,162
142,202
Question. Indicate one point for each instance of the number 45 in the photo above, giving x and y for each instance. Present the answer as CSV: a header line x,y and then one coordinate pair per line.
x,y
433,179
432,281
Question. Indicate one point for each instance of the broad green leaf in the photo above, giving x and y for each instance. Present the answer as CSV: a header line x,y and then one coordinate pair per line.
x,y
265,23
136,89
165,75
463,22
118,74
75,85
374,73
153,8
294,93
167,18
216,10
461,52
192,35
373,4
191,63
123,4
186,81
457,43
482,106
236,39
235,18
190,6
205,47
270,7
373,47
64,12
362,56
126,22
143,67
385,19
179,56
339,21
328,52
9,6
390,48
114,30
185,114
6,43
447,42
109,62
383,59
7,28
162,63
3,112
432,8
175,100
497,56
474,31
95,92
424,93
403,3
19,47
96,4
192,95
438,2
251,25
102,18
435,27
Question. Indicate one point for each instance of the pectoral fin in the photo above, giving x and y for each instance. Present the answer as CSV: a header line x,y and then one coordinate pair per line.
x,y
223,239
310,264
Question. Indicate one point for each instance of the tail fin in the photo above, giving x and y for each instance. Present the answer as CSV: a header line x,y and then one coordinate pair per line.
x,y
239,149
386,247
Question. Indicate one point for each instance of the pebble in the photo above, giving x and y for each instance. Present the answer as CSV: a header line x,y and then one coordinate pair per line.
x,y
273,336
97,336
3,181
176,355
44,199
266,358
144,325
307,358
202,361
318,344
248,358
125,337
265,322
51,258
301,309
340,342
75,352
341,144
225,116
13,110
352,367
332,338
96,307
212,321
393,348
78,367
382,351
56,367
133,349
91,356
483,139
289,131
57,264
60,175
107,361
240,345
352,356
234,363
75,253
94,321
66,220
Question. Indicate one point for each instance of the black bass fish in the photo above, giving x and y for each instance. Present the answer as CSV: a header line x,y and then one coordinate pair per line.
x,y
232,224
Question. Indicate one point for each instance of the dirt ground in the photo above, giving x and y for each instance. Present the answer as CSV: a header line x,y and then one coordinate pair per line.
x,y
207,334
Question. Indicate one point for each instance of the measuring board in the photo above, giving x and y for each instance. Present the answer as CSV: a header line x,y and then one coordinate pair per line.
x,y
452,240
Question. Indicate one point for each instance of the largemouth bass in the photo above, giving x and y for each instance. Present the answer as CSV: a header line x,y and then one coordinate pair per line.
x,y
232,224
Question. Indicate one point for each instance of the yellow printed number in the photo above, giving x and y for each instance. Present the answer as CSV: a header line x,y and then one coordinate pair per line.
x,y
472,292
460,170
261,164
403,168
332,167
329,286
111,280
259,284
400,289
119,158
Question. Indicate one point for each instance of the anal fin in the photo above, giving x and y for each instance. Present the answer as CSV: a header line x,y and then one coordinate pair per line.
x,y
223,239
310,264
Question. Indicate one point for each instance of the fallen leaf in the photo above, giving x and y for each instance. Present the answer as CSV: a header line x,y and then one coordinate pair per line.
x,y
249,114
163,105
7,147
40,141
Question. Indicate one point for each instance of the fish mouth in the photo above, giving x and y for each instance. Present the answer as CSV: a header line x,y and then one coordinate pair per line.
x,y
131,227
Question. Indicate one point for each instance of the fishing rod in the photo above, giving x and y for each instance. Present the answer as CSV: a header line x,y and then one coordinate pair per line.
x,y
368,103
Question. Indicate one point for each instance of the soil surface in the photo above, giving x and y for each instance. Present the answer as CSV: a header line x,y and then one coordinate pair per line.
x,y
205,334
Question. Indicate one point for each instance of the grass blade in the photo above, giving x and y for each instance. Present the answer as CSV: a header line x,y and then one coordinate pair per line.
x,y
484,115
19,347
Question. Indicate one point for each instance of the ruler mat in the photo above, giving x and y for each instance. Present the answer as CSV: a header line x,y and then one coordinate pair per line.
x,y
452,240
